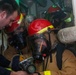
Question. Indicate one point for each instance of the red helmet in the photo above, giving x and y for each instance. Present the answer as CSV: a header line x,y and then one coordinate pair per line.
x,y
52,9
15,24
39,26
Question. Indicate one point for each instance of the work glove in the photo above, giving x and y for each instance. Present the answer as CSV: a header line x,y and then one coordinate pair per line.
x,y
15,63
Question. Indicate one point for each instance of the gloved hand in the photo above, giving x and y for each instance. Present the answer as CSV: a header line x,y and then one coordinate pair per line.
x,y
15,63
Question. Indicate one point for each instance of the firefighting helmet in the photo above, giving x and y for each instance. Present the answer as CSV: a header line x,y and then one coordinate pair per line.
x,y
53,9
39,26
15,24
58,11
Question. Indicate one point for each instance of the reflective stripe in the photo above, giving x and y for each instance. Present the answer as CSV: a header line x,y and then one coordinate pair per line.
x,y
9,69
68,19
47,72
45,29
21,18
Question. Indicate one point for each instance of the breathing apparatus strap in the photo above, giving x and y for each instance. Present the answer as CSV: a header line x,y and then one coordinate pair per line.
x,y
60,49
49,53
45,64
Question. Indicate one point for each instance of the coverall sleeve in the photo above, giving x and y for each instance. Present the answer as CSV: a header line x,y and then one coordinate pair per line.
x,y
3,61
4,71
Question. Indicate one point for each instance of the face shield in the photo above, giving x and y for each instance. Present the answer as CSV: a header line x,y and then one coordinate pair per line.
x,y
18,41
40,47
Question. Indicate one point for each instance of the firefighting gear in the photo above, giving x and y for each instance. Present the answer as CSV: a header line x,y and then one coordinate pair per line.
x,y
15,24
17,33
4,65
53,9
16,59
18,41
9,69
40,47
15,63
3,61
21,57
65,56
38,42
47,72
68,64
26,64
39,26
58,17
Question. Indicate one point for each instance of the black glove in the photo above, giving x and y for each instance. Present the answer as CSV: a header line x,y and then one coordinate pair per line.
x,y
15,63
